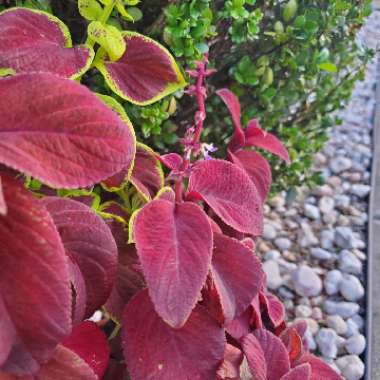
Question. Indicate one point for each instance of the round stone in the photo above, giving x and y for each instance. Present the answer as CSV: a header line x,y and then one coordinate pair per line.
x,y
351,288
355,345
272,271
337,323
351,367
306,282
327,342
332,281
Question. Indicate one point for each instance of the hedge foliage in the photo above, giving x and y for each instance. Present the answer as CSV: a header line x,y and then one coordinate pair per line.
x,y
292,64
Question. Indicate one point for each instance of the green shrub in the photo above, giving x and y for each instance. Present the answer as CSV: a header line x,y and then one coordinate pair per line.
x,y
292,63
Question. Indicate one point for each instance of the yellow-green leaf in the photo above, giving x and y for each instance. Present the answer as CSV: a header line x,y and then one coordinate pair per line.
x,y
90,9
109,38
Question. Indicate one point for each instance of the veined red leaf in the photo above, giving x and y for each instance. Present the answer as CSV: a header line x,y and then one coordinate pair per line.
x,y
255,357
87,240
302,372
230,368
35,41
154,350
90,344
66,137
172,161
144,74
257,167
129,281
276,361
227,189
237,275
35,295
79,292
3,205
147,175
241,325
174,244
233,105
255,136
273,308
293,343
166,193
319,369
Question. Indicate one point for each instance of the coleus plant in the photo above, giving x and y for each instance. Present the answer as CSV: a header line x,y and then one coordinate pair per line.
x,y
170,259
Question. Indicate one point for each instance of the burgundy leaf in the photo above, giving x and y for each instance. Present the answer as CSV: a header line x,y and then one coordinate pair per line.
x,y
256,308
230,368
237,275
59,132
35,41
79,292
129,281
147,175
227,189
3,205
172,161
255,357
255,136
241,325
257,167
144,74
35,295
293,343
65,365
319,369
90,344
276,361
174,244
233,105
273,308
166,193
302,372
154,350
89,242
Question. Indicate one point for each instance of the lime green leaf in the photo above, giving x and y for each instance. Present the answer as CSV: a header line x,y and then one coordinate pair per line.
x,y
90,9
328,66
109,38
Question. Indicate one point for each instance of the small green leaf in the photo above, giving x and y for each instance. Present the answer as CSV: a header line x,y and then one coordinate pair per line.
x,y
109,38
328,66
90,9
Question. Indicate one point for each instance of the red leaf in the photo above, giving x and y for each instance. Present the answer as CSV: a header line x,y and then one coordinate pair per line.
x,y
35,295
241,325
79,292
34,41
237,275
257,167
273,308
153,350
144,74
230,368
233,105
129,281
255,136
227,189
293,343
174,244
3,205
319,369
65,365
172,161
276,361
302,372
89,242
59,132
147,175
90,344
255,357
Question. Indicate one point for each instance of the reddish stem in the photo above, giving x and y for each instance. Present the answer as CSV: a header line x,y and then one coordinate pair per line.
x,y
199,91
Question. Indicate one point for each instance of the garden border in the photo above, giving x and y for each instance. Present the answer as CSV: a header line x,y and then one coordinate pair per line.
x,y
372,356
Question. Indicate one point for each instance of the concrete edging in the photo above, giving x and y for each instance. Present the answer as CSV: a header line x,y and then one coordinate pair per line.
x,y
372,356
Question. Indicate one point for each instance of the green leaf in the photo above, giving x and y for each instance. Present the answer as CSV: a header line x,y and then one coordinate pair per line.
x,y
90,9
109,38
328,66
